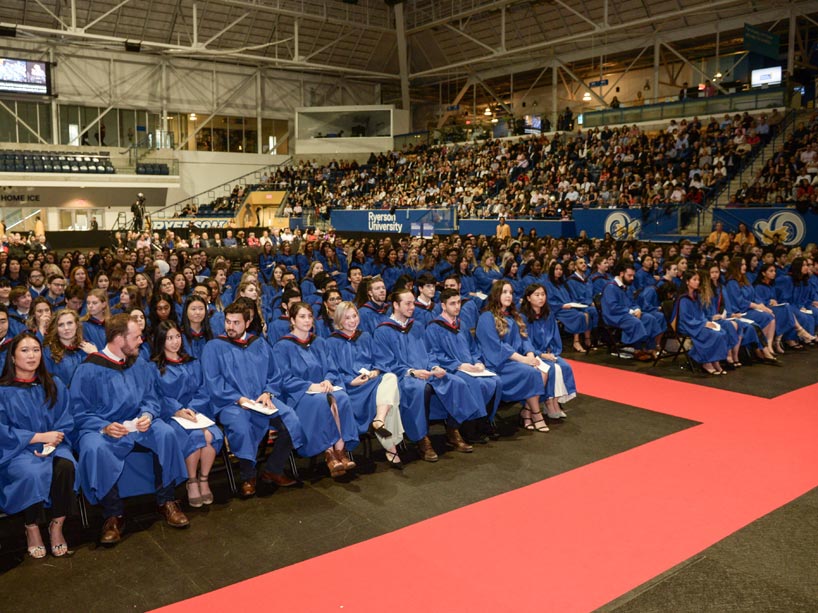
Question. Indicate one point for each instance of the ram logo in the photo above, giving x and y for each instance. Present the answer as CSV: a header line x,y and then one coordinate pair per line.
x,y
622,227
784,227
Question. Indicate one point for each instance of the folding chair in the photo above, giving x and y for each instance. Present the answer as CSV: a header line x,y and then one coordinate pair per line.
x,y
671,312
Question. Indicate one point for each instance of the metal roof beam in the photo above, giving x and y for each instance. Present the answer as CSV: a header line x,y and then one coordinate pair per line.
x,y
321,17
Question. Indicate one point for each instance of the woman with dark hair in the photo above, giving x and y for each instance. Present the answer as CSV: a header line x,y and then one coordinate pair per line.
x,y
463,268
314,388
165,285
144,287
161,309
544,335
181,285
503,339
510,270
288,259
127,299
324,322
64,347
196,330
305,261
710,339
180,385
764,292
266,261
794,289
138,316
740,302
333,265
752,267
37,466
712,302
39,315
575,319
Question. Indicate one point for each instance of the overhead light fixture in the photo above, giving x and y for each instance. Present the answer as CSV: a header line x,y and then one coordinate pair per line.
x,y
494,120
586,97
192,117
487,112
717,75
133,47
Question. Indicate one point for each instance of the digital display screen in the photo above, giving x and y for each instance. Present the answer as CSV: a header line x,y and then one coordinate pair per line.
x,y
765,76
24,77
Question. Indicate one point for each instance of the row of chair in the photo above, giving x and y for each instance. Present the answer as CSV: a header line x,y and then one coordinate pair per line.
x,y
53,162
152,169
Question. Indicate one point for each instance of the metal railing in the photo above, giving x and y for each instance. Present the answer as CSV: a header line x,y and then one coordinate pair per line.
x,y
743,101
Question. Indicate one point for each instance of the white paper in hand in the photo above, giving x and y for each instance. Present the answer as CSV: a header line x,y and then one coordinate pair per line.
x,y
335,388
202,421
130,425
482,373
47,450
258,407
543,366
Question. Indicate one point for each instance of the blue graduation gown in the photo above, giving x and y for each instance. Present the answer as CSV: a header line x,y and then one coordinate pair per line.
x,y
483,279
582,291
301,364
277,328
17,322
518,381
396,349
234,368
194,344
4,344
784,317
449,346
390,275
544,335
616,306
182,387
25,479
799,297
266,264
574,320
71,359
103,392
349,355
93,331
708,345
599,281
737,299
423,314
372,314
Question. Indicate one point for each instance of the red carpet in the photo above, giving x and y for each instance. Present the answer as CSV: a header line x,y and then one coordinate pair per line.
x,y
585,537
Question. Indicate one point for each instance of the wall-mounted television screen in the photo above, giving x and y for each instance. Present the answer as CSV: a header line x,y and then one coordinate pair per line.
x,y
24,77
765,76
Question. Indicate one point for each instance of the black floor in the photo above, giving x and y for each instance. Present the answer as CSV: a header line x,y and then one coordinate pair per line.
x,y
768,566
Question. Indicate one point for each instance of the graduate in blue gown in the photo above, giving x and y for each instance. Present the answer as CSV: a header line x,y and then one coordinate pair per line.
x,y
314,388
288,259
710,339
795,290
639,328
93,322
324,325
196,331
35,412
449,346
765,292
544,336
266,262
280,326
487,273
739,302
373,393
376,309
577,321
712,302
399,347
180,386
19,306
425,308
64,348
469,309
117,411
581,290
5,338
239,370
504,344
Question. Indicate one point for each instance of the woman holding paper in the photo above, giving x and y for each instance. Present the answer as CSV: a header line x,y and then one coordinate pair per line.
x,y
313,387
374,395
37,467
764,292
739,302
503,339
180,384
575,320
710,339
544,335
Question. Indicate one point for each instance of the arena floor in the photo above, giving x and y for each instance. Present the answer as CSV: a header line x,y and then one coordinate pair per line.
x,y
662,491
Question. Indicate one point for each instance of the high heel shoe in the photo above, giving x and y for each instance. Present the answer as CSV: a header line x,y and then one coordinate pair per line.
x,y
58,550
380,430
525,419
206,498
35,551
194,501
806,337
394,460
538,424
579,348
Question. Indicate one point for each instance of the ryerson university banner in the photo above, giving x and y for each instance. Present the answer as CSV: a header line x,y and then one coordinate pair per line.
x,y
401,221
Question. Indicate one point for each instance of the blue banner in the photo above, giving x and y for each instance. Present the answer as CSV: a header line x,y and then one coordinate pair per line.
x,y
787,225
402,221
627,224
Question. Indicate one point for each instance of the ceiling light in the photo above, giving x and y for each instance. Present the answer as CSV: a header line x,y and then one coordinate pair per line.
x,y
586,97
192,117
487,112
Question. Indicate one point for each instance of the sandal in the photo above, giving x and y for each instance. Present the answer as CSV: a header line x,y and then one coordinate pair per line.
x,y
380,430
35,551
538,424
58,550
207,498
394,460
525,419
579,348
194,501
